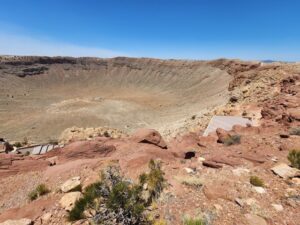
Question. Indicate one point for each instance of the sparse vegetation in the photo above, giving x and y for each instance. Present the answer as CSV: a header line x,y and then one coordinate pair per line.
x,y
256,181
294,158
232,140
25,141
40,190
17,144
53,141
154,179
193,221
295,131
116,199
194,182
160,222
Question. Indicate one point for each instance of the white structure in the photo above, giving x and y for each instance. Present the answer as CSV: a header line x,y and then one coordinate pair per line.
x,y
226,123
37,149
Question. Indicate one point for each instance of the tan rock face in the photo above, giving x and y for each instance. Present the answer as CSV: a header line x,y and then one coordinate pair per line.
x,y
71,184
17,222
150,136
68,200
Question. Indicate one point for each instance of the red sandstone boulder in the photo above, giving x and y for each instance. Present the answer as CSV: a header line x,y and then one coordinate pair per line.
x,y
222,135
150,136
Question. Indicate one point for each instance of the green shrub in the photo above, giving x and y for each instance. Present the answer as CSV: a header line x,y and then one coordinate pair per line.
x,y
192,221
294,158
116,200
154,179
40,190
295,131
77,212
33,195
256,181
17,144
127,198
90,194
232,140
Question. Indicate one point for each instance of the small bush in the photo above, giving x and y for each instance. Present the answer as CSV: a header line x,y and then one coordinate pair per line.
x,y
154,179
294,158
295,131
193,221
190,181
256,181
53,141
91,193
40,190
77,212
17,144
33,195
232,140
127,198
27,153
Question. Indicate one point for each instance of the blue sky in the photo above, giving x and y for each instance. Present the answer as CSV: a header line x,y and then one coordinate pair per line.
x,y
188,29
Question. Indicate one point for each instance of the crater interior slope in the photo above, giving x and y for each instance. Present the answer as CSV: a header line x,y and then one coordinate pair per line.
x,y
42,96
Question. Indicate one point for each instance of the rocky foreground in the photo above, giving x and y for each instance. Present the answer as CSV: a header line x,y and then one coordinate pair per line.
x,y
237,177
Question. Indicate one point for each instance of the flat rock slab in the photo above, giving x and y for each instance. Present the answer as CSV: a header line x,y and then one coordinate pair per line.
x,y
259,190
285,171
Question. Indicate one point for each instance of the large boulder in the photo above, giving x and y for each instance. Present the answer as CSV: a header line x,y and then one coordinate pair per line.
x,y
71,184
150,136
68,200
23,221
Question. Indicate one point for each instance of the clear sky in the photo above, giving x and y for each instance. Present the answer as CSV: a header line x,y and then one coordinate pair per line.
x,y
188,29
